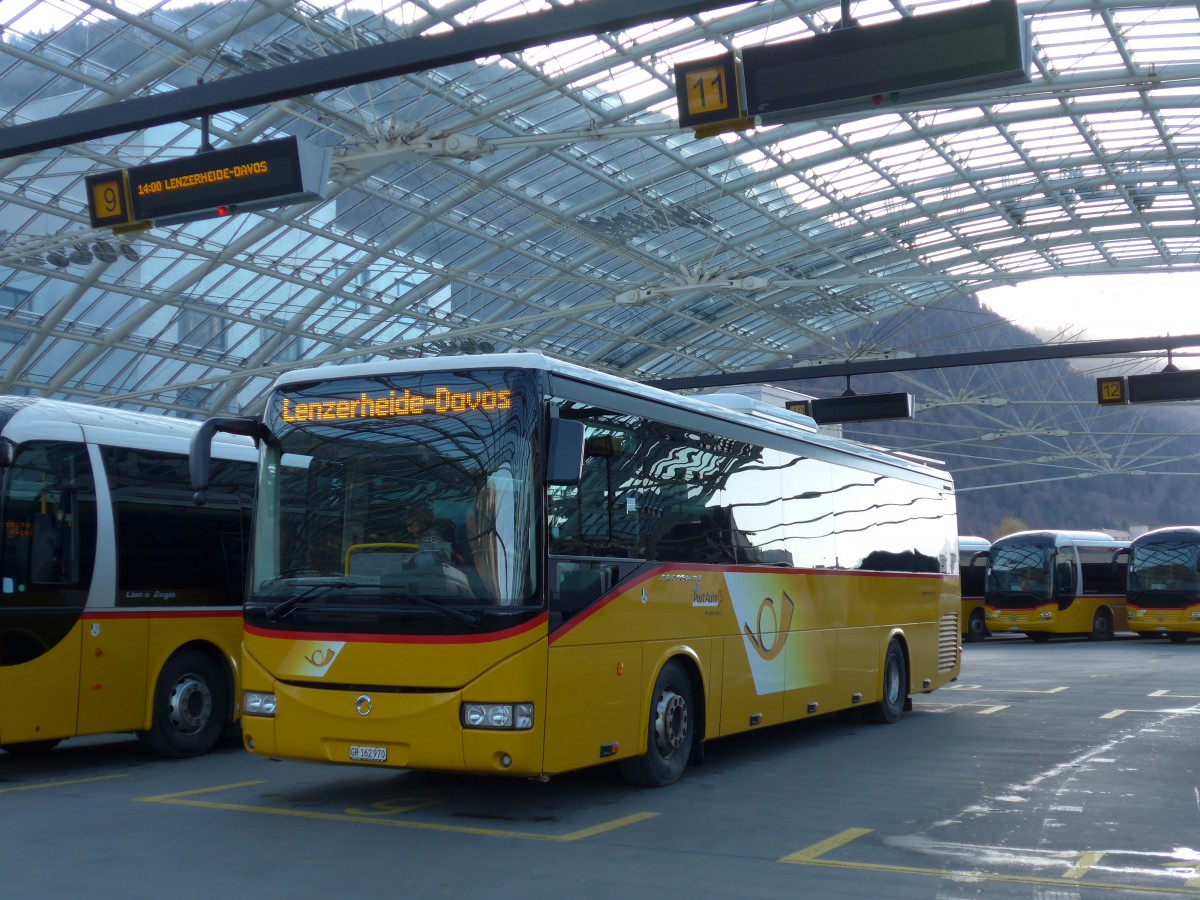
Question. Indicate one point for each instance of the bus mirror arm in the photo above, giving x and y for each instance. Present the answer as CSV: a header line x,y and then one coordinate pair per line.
x,y
564,456
200,453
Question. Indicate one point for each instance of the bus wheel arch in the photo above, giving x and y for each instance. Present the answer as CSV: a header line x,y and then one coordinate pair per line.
x,y
1102,624
672,726
977,628
894,685
191,703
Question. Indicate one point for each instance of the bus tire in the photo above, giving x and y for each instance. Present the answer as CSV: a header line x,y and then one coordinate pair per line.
x,y
190,707
671,731
31,748
1177,637
976,626
1102,625
895,688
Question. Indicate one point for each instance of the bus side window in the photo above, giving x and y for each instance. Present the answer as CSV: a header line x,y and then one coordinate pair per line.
x,y
1064,578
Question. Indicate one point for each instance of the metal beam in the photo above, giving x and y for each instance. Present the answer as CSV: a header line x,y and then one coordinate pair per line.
x,y
937,361
387,60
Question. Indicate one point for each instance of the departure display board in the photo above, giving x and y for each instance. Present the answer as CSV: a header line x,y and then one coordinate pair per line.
x,y
215,183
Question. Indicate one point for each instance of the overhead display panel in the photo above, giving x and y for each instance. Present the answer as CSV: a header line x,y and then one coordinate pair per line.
x,y
216,183
926,56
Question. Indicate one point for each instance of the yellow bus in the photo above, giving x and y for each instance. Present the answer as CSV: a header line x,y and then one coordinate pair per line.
x,y
513,565
1163,594
120,601
1046,583
972,566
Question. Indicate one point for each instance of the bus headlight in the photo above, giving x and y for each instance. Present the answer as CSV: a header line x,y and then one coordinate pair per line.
x,y
256,703
508,716
1047,615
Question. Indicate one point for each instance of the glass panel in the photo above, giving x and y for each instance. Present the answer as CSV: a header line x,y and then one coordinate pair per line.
x,y
171,552
1019,570
401,493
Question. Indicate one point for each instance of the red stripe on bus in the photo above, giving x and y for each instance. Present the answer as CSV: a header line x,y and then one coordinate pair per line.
x,y
164,614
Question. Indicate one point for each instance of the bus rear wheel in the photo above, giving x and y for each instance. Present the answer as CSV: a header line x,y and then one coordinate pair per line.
x,y
190,706
976,626
671,731
895,688
1102,625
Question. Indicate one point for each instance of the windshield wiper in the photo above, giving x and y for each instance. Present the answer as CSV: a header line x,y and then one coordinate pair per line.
x,y
286,605
469,618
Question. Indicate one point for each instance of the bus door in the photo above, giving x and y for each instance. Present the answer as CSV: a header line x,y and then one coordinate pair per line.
x,y
1066,578
48,550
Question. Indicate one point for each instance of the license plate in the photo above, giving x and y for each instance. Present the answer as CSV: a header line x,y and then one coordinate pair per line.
x,y
368,754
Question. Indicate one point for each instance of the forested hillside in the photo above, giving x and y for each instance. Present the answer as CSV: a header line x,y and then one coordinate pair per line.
x,y
1034,478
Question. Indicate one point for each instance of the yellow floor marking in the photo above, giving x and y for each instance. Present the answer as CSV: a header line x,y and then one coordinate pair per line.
x,y
809,854
1158,693
991,709
1083,864
1176,696
181,799
52,784
170,798
1114,713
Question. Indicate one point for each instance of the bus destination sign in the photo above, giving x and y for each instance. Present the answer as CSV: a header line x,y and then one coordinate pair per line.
x,y
215,183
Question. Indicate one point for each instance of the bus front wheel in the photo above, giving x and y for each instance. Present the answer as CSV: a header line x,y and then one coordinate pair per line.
x,y
1102,625
671,731
190,705
895,688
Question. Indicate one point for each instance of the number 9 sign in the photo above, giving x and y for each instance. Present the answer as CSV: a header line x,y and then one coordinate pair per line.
x,y
107,199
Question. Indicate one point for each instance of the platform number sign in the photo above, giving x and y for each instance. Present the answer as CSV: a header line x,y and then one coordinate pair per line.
x,y
1111,391
108,199
708,91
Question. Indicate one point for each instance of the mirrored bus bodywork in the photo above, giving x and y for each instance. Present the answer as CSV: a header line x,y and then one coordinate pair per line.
x,y
1164,583
972,568
1044,583
119,599
511,565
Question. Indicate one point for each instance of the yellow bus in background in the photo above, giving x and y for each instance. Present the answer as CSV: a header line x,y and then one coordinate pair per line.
x,y
507,564
120,601
1163,594
1047,583
972,567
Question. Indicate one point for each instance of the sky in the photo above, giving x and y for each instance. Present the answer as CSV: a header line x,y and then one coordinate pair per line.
x,y
1105,307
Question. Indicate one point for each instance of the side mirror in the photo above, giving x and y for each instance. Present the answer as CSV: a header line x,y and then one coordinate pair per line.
x,y
200,451
564,457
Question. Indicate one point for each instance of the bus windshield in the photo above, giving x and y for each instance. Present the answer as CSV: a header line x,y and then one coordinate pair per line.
x,y
1164,565
1020,569
406,499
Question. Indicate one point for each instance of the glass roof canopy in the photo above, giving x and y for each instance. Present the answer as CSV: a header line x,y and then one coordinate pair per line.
x,y
549,200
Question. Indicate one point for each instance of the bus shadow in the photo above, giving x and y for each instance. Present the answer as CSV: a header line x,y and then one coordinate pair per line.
x,y
90,756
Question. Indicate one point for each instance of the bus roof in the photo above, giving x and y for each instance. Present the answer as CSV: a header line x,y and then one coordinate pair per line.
x,y
754,414
38,418
971,542
1061,537
1173,531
